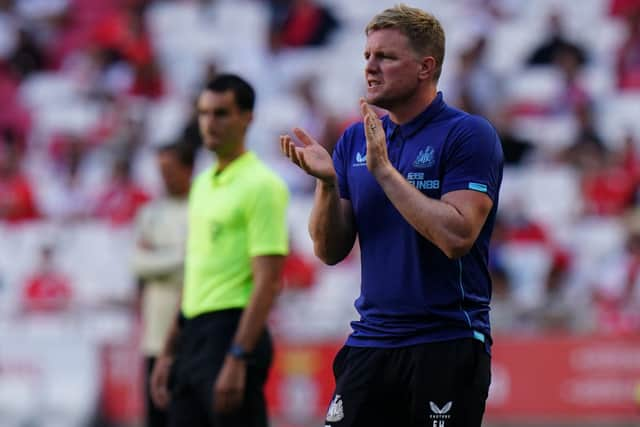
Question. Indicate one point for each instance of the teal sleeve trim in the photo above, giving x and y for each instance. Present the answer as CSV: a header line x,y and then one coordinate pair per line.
x,y
479,336
477,187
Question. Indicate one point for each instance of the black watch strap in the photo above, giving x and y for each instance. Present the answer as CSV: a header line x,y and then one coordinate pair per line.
x,y
237,351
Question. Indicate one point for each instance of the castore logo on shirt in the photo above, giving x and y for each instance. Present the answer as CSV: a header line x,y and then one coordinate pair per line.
x,y
439,416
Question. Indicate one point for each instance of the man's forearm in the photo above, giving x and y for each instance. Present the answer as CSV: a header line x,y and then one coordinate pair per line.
x,y
330,227
445,225
267,284
169,347
254,317
150,264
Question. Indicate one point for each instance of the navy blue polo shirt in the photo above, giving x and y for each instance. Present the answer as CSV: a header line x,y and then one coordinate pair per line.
x,y
411,292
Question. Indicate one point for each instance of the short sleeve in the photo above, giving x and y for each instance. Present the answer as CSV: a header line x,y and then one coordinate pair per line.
x,y
267,231
473,158
340,165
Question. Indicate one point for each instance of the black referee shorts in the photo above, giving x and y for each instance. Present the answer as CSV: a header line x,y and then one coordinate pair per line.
x,y
202,347
441,384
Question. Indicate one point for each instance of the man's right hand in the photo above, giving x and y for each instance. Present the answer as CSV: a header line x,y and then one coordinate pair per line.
x,y
311,157
160,380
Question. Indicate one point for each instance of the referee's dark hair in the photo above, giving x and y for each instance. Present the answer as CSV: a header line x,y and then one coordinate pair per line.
x,y
243,92
185,153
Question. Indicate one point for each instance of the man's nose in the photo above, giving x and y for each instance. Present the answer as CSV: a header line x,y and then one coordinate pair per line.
x,y
211,120
371,65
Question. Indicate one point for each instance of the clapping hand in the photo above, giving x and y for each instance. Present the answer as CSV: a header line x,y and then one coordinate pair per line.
x,y
311,157
377,156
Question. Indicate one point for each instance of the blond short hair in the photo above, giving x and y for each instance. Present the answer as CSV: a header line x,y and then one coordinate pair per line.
x,y
425,34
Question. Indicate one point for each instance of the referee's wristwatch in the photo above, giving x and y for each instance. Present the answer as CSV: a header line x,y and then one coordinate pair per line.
x,y
238,352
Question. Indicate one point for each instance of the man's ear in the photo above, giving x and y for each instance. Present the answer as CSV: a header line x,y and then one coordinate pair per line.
x,y
248,117
427,68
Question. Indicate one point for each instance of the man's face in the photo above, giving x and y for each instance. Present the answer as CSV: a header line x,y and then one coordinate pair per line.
x,y
222,123
391,68
175,175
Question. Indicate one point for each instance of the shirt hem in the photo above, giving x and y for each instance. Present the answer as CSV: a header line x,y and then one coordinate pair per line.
x,y
399,342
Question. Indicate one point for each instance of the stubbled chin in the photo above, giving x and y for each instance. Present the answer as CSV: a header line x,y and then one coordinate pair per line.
x,y
210,143
373,98
374,92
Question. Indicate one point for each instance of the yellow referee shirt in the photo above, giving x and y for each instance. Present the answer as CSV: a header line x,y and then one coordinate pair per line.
x,y
234,215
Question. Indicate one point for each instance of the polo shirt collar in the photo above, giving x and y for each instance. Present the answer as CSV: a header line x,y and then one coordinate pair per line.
x,y
233,169
418,122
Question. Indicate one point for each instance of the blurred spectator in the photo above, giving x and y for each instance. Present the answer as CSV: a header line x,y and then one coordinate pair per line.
x,y
158,258
608,190
6,6
476,84
121,128
299,273
299,23
575,95
27,56
14,139
17,202
572,94
516,150
118,57
334,127
13,115
624,7
587,152
133,68
120,200
493,11
314,115
315,119
628,57
609,179
67,198
617,290
47,289
629,158
100,72
8,30
125,133
147,80
529,267
124,31
555,44
558,310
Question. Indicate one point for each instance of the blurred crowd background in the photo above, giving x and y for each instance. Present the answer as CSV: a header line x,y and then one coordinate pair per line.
x,y
91,88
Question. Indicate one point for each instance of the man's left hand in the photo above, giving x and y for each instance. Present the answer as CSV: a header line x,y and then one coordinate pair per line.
x,y
228,390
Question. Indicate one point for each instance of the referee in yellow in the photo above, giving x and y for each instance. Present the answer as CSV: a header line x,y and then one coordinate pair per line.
x,y
215,360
